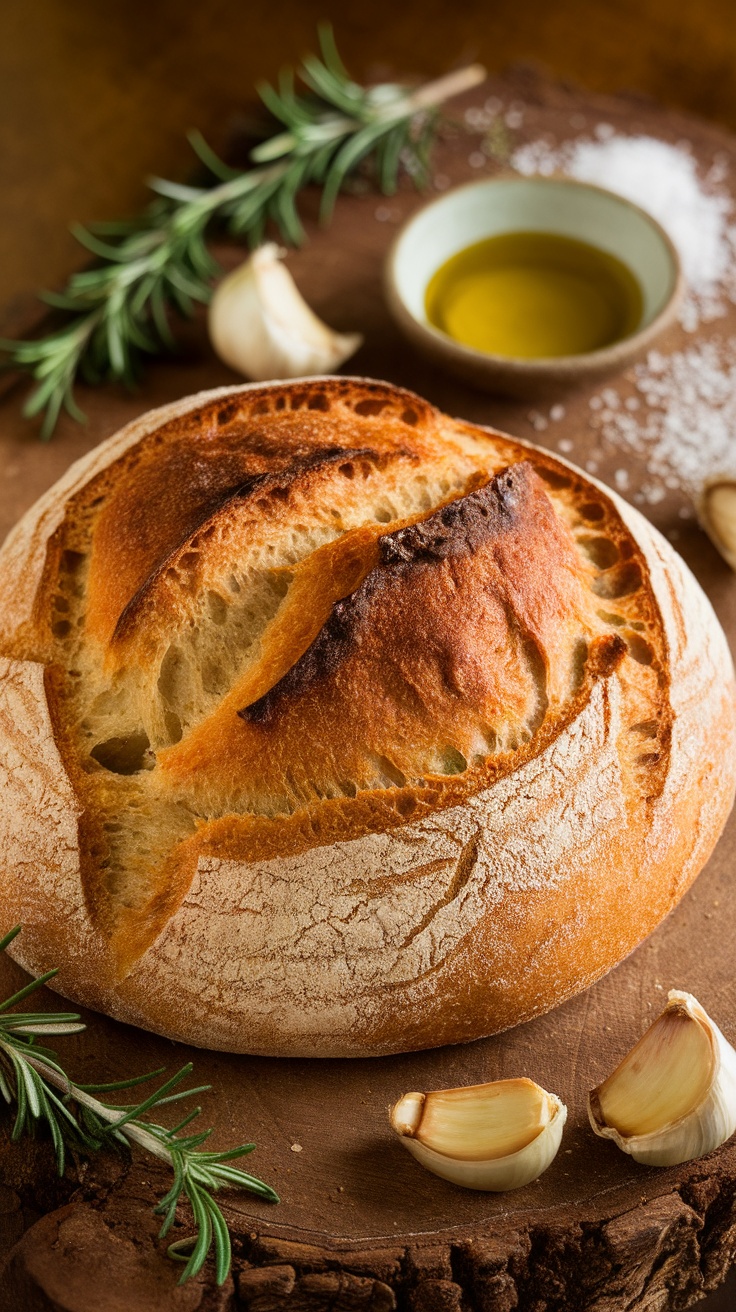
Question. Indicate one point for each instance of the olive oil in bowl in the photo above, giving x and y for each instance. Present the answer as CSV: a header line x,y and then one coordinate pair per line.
x,y
534,295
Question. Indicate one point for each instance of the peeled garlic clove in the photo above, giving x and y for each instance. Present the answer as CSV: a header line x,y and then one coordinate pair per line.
x,y
261,326
717,513
673,1097
489,1136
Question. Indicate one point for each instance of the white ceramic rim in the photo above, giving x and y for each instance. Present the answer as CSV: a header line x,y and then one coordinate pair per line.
x,y
658,310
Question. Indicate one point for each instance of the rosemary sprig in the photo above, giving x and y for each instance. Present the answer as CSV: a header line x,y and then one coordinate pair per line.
x,y
30,1077
146,267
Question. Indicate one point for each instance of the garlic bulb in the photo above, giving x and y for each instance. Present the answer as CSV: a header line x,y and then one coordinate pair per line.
x,y
262,327
488,1136
673,1097
717,513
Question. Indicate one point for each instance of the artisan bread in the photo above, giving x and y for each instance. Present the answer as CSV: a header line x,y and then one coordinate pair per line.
x,y
330,726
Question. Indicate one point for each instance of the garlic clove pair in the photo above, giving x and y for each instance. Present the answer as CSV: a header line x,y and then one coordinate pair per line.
x,y
262,327
493,1137
717,514
673,1097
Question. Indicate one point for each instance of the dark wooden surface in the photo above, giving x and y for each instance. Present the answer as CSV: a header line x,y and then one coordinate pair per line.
x,y
360,1224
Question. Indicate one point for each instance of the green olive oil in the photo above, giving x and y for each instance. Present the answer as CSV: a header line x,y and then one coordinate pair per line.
x,y
534,295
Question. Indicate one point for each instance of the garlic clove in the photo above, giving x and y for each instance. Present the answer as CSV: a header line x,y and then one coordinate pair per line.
x,y
261,326
717,513
673,1097
494,1136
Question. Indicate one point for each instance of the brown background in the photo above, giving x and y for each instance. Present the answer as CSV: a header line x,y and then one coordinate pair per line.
x,y
93,97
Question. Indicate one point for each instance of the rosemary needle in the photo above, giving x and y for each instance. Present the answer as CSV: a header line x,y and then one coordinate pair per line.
x,y
118,310
32,1080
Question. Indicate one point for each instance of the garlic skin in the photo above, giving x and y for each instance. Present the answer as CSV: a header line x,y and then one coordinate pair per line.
x,y
491,1137
673,1097
717,515
262,327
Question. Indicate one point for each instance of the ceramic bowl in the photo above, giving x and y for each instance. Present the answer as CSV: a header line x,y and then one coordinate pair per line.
x,y
573,209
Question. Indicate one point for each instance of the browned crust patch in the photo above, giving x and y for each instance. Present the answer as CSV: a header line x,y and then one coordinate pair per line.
x,y
109,578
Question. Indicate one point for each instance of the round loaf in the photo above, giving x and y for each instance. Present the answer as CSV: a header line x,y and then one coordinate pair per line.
x,y
330,726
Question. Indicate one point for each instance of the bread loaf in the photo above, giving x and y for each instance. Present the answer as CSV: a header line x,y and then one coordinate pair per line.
x,y
330,726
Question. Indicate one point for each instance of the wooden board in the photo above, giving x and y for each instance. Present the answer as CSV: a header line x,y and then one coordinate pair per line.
x,y
360,1224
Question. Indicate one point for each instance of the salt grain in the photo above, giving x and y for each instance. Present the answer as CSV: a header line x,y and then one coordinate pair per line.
x,y
538,422
664,180
475,117
686,433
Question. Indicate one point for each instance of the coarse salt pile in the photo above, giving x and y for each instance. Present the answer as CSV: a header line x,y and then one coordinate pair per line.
x,y
681,421
662,179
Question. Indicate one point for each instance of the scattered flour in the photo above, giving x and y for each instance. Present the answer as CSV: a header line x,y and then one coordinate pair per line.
x,y
662,179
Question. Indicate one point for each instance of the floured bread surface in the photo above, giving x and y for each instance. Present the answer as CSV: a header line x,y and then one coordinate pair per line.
x,y
332,726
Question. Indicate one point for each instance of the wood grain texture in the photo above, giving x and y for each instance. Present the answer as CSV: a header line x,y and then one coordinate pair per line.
x,y
361,1226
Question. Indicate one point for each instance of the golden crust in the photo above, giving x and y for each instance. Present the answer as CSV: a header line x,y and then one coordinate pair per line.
x,y
367,729
448,637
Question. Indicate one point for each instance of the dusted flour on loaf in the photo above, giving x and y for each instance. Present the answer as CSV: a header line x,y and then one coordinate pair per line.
x,y
332,726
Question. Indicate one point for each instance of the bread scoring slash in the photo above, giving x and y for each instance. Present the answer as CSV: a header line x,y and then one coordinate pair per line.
x,y
331,726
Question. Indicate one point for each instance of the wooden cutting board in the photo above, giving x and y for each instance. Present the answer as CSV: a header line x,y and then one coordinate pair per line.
x,y
360,1224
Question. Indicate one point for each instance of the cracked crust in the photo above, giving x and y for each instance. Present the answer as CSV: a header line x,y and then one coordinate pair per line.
x,y
331,726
